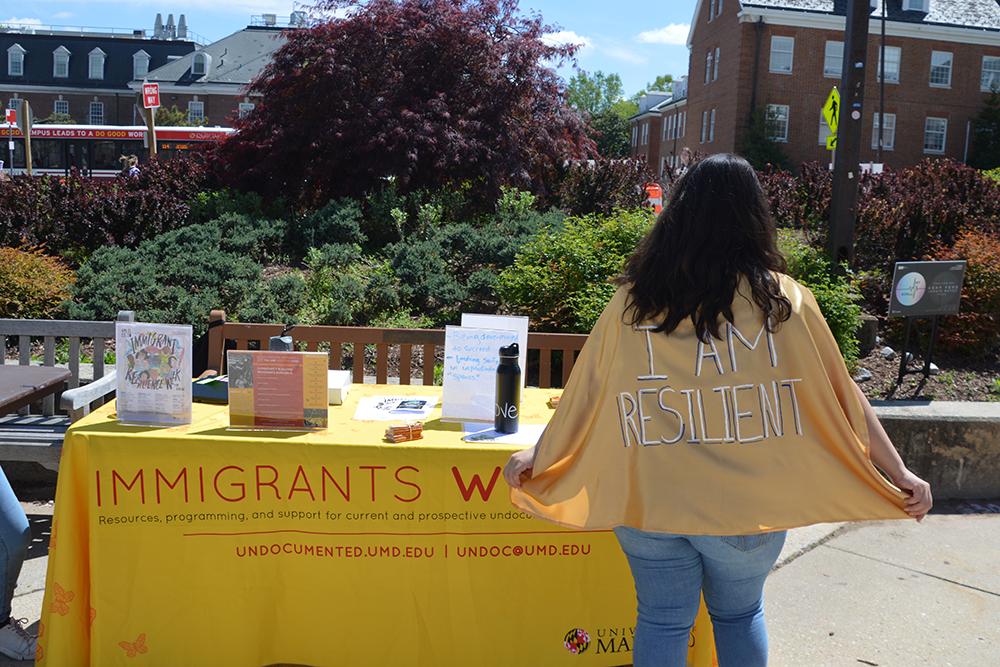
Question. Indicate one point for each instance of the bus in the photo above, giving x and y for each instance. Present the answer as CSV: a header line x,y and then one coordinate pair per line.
x,y
95,150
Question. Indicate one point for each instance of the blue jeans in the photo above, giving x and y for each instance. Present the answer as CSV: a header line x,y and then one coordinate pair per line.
x,y
15,536
670,573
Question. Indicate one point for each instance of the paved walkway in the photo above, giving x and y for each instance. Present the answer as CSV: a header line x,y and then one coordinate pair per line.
x,y
885,594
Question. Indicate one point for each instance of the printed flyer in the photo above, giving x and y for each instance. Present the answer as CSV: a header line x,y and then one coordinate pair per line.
x,y
277,390
153,365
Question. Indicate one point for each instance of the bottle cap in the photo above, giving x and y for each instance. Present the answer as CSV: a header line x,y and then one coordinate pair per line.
x,y
510,352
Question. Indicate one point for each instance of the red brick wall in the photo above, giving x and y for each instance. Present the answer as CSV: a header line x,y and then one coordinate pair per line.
x,y
118,109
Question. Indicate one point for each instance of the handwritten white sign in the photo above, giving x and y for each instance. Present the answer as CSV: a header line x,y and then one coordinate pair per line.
x,y
516,323
471,357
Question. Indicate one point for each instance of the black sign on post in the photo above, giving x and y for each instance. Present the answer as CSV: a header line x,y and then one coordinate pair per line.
x,y
925,289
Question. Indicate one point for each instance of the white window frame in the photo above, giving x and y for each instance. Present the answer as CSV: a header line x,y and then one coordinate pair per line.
x,y
60,106
683,123
949,58
244,109
782,45
95,64
704,125
15,60
711,10
943,132
140,64
718,8
708,66
715,66
772,112
711,126
989,78
889,136
201,58
828,71
898,50
90,113
916,6
824,129
635,135
194,116
60,57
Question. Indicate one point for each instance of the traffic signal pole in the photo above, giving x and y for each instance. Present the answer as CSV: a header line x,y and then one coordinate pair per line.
x,y
847,160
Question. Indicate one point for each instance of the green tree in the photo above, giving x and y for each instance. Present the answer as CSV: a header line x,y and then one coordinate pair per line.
x,y
664,83
56,119
758,147
985,150
594,93
610,131
174,117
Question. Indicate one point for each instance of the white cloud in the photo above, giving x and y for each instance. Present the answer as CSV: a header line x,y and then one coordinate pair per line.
x,y
564,37
675,33
63,15
21,21
624,54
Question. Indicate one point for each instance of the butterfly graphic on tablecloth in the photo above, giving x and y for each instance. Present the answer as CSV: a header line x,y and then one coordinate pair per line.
x,y
133,649
60,604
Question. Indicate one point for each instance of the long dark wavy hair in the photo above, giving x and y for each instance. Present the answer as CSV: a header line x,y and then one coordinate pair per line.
x,y
716,228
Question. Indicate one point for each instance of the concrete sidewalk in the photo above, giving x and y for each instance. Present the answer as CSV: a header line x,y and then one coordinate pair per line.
x,y
886,594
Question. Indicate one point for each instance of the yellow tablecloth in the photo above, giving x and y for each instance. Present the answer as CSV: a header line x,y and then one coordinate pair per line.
x,y
197,545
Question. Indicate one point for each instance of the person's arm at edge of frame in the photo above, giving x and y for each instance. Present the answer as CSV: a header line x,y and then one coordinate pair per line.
x,y
884,455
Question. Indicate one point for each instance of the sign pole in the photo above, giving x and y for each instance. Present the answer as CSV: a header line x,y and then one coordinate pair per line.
x,y
150,103
26,129
844,198
10,143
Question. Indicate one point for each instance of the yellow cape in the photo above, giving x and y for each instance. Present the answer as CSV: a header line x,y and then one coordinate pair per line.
x,y
751,433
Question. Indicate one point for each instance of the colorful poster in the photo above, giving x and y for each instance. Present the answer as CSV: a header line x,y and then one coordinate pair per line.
x,y
153,365
277,390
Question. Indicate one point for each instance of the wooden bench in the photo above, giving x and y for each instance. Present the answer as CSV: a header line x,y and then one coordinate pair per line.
x,y
38,437
550,355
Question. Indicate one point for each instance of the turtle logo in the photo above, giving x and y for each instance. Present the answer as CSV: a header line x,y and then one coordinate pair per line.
x,y
576,641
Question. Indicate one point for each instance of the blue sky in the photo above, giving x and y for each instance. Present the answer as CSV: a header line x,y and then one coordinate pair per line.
x,y
638,40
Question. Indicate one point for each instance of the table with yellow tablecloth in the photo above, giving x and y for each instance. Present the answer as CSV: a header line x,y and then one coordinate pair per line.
x,y
197,545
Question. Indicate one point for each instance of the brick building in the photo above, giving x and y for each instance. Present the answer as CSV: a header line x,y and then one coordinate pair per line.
x,y
782,57
84,73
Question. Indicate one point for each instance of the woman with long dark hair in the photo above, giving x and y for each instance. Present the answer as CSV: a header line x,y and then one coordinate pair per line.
x,y
709,411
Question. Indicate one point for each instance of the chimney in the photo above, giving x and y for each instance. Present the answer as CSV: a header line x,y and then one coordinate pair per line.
x,y
182,28
170,29
158,27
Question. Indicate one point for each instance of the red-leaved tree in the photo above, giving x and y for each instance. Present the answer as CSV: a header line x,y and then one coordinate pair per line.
x,y
423,92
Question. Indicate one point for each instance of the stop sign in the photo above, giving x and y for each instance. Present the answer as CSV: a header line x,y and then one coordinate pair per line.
x,y
151,95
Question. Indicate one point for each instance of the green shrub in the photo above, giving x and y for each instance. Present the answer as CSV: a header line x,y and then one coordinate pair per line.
x,y
338,222
32,284
180,276
211,204
342,287
835,292
975,331
561,279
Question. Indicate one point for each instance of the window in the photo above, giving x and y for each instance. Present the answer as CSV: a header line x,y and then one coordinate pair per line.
x,y
892,58
199,64
96,115
782,49
683,123
635,135
140,64
708,66
777,122
15,60
60,63
196,111
990,79
246,108
704,125
935,131
916,6
888,136
711,126
715,69
96,64
61,106
941,69
663,165
711,9
824,129
833,60
718,8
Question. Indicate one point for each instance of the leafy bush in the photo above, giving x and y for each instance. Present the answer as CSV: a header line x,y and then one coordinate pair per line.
x,y
343,287
32,284
338,222
561,278
183,274
75,215
975,331
993,174
835,293
602,186
208,205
